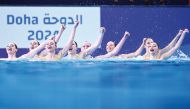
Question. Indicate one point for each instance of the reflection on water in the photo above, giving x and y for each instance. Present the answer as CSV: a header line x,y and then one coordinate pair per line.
x,y
100,84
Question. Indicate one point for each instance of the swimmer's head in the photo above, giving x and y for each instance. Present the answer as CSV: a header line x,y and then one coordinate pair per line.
x,y
73,48
148,42
153,49
11,48
34,44
51,45
110,46
85,46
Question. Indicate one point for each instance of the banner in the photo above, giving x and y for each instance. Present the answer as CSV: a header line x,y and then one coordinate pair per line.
x,y
23,24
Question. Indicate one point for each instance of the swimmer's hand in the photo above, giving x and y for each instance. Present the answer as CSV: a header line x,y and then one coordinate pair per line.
x,y
76,24
102,30
127,34
180,32
144,40
186,30
63,27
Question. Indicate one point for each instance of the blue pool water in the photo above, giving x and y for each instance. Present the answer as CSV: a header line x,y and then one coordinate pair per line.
x,y
95,85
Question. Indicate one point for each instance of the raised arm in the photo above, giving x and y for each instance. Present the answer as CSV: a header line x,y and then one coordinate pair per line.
x,y
33,52
58,36
136,53
178,44
70,40
91,49
55,38
117,48
172,43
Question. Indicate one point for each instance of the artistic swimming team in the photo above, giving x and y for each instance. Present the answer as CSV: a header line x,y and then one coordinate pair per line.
x,y
46,51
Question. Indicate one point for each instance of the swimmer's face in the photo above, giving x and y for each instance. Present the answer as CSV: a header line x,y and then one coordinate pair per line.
x,y
11,48
153,49
110,46
50,46
148,42
85,46
34,44
73,48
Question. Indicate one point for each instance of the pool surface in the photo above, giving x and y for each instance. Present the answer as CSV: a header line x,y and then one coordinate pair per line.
x,y
105,84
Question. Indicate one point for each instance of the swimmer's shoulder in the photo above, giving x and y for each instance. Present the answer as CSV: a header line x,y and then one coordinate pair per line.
x,y
58,57
144,57
82,55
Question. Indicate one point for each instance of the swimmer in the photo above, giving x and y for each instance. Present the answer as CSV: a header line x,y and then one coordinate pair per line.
x,y
165,49
154,52
87,49
137,52
50,46
112,49
72,52
34,43
11,50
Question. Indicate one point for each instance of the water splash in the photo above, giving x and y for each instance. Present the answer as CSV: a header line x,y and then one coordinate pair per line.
x,y
179,55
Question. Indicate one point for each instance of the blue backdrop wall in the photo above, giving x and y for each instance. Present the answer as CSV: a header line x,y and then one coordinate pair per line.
x,y
159,23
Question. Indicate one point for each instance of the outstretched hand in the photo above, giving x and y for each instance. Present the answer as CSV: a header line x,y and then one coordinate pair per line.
x,y
180,31
102,30
76,24
63,27
144,40
186,30
127,34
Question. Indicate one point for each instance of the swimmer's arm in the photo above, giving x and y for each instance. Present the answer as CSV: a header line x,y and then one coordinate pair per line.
x,y
117,48
172,43
33,52
91,49
136,53
43,53
70,40
58,36
101,57
178,44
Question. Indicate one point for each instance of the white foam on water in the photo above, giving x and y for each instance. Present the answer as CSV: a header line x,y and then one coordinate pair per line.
x,y
179,55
